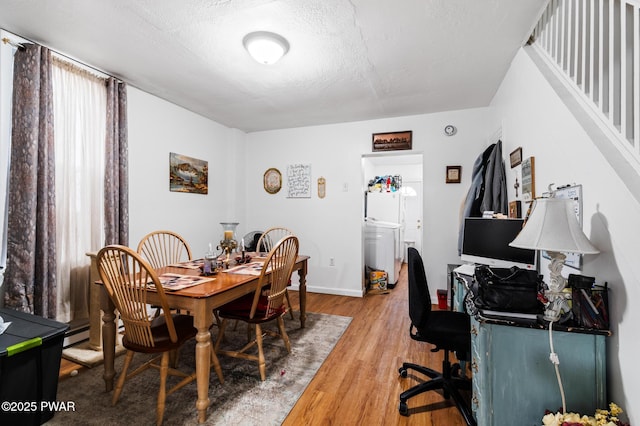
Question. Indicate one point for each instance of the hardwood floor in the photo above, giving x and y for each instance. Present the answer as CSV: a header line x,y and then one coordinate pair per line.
x,y
359,384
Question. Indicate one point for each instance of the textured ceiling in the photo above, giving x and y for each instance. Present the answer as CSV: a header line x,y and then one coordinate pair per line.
x,y
348,61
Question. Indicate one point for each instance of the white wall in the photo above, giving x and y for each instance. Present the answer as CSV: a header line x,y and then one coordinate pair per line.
x,y
332,227
535,118
156,128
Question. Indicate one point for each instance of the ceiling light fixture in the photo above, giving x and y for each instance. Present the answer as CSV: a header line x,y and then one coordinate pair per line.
x,y
265,47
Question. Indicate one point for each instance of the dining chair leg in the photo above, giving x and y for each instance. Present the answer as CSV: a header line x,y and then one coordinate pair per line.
x,y
283,334
123,375
221,329
174,355
216,364
162,393
286,293
217,317
261,363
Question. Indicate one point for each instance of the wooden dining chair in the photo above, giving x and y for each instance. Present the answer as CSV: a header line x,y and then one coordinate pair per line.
x,y
126,277
267,241
163,248
265,305
270,238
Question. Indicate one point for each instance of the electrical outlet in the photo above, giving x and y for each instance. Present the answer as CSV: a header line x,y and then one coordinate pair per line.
x,y
332,261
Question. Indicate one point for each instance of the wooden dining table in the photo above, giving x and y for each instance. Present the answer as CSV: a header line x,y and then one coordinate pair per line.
x,y
200,301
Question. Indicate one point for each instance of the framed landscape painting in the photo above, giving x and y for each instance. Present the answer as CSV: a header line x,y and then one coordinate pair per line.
x,y
187,174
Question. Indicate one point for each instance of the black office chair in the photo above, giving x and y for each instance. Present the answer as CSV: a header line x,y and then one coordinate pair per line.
x,y
448,331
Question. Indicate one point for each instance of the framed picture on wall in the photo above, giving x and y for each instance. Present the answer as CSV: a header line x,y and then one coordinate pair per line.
x,y
187,174
516,157
299,181
272,180
515,209
454,174
528,179
322,187
392,141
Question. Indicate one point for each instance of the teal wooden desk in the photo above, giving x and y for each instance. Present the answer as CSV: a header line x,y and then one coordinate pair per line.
x,y
513,380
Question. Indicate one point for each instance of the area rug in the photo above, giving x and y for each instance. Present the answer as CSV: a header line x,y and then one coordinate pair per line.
x,y
243,399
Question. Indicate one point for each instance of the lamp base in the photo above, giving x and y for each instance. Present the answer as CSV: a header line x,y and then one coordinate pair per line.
x,y
555,306
557,299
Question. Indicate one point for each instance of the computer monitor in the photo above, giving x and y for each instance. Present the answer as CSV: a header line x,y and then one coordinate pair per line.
x,y
486,242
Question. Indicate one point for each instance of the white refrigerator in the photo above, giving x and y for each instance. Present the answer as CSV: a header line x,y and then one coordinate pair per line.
x,y
384,233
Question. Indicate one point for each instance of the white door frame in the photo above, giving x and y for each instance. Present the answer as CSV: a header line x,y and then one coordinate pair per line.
x,y
390,159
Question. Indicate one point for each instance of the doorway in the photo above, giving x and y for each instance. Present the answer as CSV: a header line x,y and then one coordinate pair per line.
x,y
410,168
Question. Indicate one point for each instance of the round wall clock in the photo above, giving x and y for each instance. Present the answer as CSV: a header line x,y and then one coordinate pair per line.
x,y
272,180
450,130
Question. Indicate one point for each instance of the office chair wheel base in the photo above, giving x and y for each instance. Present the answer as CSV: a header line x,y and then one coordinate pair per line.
x,y
402,371
403,408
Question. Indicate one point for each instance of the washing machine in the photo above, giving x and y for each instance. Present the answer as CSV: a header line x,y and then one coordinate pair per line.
x,y
381,240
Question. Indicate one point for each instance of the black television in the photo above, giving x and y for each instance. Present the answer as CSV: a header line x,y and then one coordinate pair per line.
x,y
486,242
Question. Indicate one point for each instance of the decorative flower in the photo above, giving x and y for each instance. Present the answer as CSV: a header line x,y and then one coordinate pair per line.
x,y
600,418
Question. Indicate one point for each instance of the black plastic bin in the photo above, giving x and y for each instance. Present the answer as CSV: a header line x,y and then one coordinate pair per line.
x,y
30,352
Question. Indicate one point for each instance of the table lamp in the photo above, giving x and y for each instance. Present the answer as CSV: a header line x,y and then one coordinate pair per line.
x,y
553,226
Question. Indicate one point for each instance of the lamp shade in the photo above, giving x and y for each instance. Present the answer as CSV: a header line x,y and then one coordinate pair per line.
x,y
265,47
553,226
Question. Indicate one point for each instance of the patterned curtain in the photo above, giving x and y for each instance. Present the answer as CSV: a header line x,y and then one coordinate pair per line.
x,y
30,279
116,184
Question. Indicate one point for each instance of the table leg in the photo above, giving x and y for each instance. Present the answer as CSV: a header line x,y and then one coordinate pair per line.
x,y
302,273
203,319
108,338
